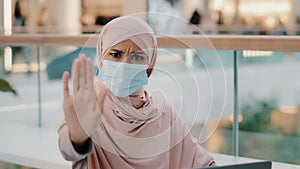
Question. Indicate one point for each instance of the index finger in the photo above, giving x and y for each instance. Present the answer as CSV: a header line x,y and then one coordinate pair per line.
x,y
74,65
90,73
75,77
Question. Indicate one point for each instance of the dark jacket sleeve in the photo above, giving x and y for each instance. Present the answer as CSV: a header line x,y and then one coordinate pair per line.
x,y
67,148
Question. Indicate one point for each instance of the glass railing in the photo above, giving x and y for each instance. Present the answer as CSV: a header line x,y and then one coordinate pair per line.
x,y
238,94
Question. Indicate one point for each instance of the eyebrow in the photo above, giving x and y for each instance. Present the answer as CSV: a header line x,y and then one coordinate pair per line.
x,y
134,52
116,50
139,52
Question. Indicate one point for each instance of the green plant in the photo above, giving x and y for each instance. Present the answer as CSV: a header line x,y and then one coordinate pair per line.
x,y
257,116
4,84
6,87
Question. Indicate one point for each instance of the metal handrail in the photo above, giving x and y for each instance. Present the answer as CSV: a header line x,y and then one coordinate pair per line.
x,y
218,42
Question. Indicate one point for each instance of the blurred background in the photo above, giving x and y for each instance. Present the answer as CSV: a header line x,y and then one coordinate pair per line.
x,y
269,83
269,17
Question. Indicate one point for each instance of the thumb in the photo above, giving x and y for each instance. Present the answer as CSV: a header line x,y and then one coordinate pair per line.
x,y
65,80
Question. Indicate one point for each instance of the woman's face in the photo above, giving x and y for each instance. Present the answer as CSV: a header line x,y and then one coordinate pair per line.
x,y
126,51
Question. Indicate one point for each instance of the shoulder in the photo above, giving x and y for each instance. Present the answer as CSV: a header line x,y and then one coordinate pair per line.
x,y
171,113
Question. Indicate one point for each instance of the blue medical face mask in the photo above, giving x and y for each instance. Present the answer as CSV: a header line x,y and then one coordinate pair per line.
x,y
121,78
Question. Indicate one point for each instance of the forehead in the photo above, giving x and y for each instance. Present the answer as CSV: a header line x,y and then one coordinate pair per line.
x,y
126,45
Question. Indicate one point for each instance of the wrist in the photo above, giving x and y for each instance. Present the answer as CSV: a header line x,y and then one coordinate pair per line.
x,y
78,137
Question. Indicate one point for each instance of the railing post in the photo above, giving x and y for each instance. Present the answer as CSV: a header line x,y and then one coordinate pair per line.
x,y
235,129
39,87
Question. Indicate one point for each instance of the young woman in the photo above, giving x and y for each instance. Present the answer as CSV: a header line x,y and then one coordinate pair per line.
x,y
112,122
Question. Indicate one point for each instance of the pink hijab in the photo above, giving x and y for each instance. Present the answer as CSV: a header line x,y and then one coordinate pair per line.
x,y
137,30
129,28
138,131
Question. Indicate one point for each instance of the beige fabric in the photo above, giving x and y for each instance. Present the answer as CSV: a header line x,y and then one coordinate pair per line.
x,y
163,142
129,28
138,131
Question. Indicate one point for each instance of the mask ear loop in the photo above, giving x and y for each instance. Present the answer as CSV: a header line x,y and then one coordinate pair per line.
x,y
97,72
148,70
98,69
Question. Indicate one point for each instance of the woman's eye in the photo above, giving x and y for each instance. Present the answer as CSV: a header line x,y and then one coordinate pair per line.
x,y
137,57
115,55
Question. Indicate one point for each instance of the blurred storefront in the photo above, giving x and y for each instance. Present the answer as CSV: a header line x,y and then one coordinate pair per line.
x,y
69,16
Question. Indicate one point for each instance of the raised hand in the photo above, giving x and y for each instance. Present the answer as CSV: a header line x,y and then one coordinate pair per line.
x,y
81,111
77,134
84,98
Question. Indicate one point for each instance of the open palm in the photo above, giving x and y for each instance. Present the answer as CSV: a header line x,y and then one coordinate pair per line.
x,y
84,98
80,109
